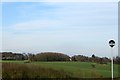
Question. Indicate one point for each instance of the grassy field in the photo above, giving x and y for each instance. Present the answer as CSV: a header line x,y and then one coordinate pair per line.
x,y
77,69
82,69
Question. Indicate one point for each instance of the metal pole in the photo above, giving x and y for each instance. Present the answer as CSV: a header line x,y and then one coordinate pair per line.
x,y
112,62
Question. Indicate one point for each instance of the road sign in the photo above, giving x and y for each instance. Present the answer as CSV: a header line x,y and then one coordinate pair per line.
x,y
112,44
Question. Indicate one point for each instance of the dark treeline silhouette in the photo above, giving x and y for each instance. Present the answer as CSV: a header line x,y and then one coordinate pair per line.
x,y
49,56
53,56
12,56
103,60
117,60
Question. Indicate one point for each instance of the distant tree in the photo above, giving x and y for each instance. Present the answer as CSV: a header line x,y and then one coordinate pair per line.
x,y
52,56
117,60
25,56
31,57
93,58
73,58
80,58
12,56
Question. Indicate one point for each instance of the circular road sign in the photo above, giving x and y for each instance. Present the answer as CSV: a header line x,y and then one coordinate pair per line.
x,y
111,43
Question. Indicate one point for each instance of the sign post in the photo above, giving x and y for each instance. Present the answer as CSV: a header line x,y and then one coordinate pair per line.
x,y
112,44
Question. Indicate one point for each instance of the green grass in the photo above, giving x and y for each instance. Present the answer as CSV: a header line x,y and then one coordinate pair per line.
x,y
82,69
78,69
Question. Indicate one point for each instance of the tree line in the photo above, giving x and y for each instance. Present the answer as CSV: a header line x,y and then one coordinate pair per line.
x,y
49,56
53,56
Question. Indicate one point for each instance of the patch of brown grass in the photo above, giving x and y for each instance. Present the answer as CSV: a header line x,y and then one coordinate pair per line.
x,y
17,70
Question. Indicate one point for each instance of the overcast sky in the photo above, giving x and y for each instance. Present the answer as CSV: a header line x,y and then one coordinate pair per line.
x,y
72,28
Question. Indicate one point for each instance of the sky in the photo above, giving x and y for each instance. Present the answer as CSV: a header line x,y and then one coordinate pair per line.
x,y
60,1
72,28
